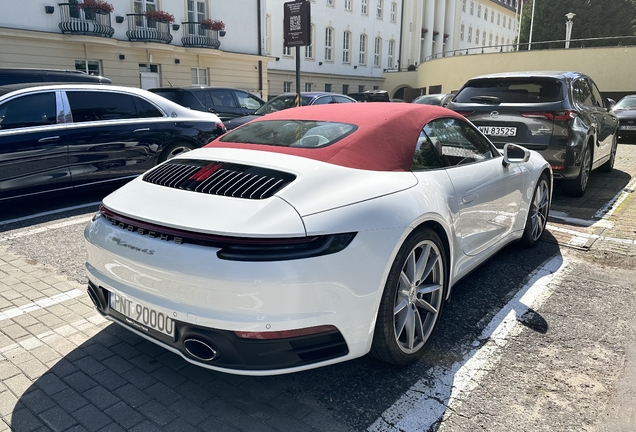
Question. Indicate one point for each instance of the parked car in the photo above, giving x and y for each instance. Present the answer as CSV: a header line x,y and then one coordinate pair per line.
x,y
227,103
29,75
440,99
63,136
371,96
288,100
560,114
311,236
625,110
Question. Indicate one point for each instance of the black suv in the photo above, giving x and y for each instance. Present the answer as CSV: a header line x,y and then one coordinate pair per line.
x,y
28,75
227,103
562,115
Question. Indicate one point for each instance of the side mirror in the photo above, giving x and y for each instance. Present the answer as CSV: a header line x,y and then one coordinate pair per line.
x,y
513,153
610,103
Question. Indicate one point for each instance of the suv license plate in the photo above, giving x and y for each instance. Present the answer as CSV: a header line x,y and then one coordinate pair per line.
x,y
498,131
141,316
628,127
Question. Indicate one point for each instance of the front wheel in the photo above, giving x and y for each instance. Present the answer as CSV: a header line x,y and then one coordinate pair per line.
x,y
537,213
412,300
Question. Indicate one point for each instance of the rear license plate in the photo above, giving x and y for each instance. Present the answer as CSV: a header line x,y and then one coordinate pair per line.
x,y
140,316
498,131
628,127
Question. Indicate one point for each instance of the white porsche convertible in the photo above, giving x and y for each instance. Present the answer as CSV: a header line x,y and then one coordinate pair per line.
x,y
311,236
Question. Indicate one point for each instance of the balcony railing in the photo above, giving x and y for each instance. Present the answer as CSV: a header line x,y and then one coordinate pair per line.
x,y
194,35
141,29
84,22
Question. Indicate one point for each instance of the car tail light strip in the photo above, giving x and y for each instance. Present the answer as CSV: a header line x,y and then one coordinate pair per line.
x,y
564,115
220,178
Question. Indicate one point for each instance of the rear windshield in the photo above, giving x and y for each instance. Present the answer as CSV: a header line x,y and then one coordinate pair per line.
x,y
290,133
511,90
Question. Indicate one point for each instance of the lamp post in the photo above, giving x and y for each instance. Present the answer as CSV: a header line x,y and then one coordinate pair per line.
x,y
568,28
531,25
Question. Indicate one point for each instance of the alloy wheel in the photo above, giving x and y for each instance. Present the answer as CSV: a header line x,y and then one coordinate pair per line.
x,y
539,209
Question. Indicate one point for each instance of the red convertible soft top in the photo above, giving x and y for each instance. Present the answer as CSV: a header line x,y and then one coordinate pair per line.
x,y
384,141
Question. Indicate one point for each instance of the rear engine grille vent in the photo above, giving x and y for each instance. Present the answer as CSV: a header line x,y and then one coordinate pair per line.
x,y
220,178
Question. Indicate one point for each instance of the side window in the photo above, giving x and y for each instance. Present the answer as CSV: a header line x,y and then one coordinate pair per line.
x,y
342,99
30,110
598,99
460,143
582,92
194,100
220,97
246,100
89,106
146,109
323,100
426,155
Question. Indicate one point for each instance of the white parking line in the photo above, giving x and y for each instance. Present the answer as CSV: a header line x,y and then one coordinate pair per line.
x,y
609,208
426,403
40,304
37,215
45,228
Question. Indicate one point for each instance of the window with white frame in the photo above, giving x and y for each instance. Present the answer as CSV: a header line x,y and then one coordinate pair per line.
x,y
483,41
470,34
363,50
287,87
330,3
478,11
346,47
360,88
461,33
377,52
91,67
268,31
492,16
389,58
139,7
363,7
345,88
497,40
472,7
490,39
393,11
378,9
498,18
309,87
328,44
509,23
199,76
477,37
463,5
196,12
347,5
287,51
486,14
327,87
309,49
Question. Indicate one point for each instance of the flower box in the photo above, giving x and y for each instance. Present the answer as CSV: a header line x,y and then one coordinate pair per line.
x,y
159,16
96,6
209,24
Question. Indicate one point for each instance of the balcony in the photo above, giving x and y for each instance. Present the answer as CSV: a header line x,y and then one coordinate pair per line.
x,y
141,29
84,22
196,36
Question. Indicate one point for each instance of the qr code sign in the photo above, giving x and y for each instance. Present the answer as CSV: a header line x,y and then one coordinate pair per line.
x,y
294,23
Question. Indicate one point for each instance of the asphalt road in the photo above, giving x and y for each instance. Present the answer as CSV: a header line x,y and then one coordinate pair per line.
x,y
558,364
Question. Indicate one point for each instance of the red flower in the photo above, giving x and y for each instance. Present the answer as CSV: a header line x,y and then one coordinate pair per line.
x,y
96,6
159,16
217,25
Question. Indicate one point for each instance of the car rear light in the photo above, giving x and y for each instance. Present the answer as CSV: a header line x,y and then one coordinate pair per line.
x,y
236,248
285,334
558,167
465,113
563,115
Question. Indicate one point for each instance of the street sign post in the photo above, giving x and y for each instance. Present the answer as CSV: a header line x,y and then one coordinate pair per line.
x,y
297,28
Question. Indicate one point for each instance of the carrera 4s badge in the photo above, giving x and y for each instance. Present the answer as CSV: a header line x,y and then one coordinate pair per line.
x,y
123,243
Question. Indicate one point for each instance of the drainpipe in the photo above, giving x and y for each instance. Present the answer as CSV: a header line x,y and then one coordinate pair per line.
x,y
260,48
401,39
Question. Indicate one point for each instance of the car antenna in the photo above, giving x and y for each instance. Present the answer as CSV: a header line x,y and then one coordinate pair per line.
x,y
164,75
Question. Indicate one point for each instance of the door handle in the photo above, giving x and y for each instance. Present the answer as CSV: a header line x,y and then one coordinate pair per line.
x,y
468,199
141,130
47,139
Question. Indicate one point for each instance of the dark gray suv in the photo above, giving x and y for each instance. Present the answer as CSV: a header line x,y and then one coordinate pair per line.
x,y
562,115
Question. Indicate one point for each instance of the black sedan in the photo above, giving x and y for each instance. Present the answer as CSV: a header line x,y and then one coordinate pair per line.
x,y
63,136
625,110
288,100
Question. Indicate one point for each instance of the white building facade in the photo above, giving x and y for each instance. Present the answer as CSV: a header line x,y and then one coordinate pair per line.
x,y
126,45
353,43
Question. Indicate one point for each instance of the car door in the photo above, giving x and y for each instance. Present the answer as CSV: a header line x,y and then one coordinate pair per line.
x,y
222,103
589,112
247,103
111,136
488,193
608,123
33,151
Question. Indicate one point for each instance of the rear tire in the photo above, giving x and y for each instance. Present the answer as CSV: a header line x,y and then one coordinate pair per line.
x,y
577,186
174,150
609,165
412,300
537,213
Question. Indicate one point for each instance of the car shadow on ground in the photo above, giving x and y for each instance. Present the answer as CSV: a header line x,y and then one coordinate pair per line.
x,y
113,378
